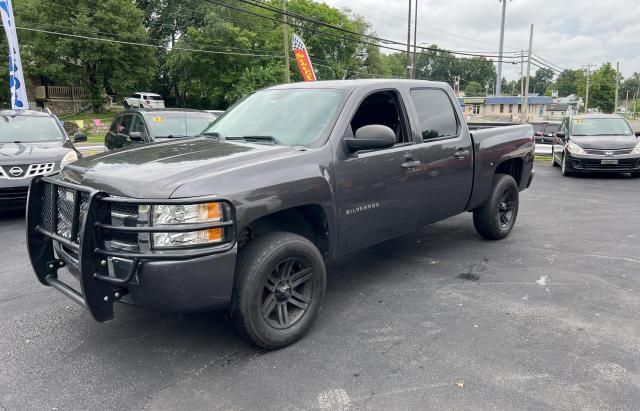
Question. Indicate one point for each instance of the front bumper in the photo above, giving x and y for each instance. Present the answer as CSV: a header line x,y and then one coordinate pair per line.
x,y
13,192
590,163
172,281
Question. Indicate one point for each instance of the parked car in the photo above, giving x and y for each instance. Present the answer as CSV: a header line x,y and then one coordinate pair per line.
x,y
247,216
32,143
138,126
144,100
545,132
596,143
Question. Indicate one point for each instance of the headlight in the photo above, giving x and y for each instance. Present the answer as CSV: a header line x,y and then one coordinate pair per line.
x,y
573,148
168,215
70,157
636,150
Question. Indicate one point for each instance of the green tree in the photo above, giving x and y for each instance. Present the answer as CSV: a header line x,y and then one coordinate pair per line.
x,y
602,88
474,88
541,80
569,81
101,66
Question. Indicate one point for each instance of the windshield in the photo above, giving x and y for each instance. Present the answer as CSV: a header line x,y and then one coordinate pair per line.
x,y
178,124
294,117
600,127
29,129
538,127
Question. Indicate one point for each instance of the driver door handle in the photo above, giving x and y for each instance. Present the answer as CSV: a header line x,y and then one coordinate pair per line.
x,y
460,155
411,163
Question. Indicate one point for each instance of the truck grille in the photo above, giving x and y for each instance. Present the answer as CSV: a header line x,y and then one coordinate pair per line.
x,y
123,215
58,204
58,208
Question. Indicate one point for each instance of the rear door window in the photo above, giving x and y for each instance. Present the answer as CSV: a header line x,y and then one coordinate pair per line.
x,y
125,124
436,115
115,124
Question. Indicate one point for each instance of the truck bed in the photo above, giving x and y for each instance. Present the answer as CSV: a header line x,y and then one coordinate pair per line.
x,y
499,144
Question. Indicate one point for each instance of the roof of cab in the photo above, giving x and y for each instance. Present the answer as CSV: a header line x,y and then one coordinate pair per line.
x,y
354,84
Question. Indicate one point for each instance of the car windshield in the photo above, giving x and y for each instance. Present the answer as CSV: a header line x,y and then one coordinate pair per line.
x,y
600,127
164,124
29,129
294,117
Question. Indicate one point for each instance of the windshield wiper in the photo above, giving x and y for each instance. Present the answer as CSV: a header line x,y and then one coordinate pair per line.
x,y
215,134
256,139
171,136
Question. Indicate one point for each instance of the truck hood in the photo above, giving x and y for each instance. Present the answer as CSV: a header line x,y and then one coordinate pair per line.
x,y
157,170
32,153
605,142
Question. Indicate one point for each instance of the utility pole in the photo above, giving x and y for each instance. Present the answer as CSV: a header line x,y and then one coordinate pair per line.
x,y
626,103
615,104
635,102
415,34
525,108
521,83
409,42
586,99
498,88
285,32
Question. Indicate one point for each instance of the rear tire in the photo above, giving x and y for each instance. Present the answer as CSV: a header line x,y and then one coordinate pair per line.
x,y
495,219
126,105
280,285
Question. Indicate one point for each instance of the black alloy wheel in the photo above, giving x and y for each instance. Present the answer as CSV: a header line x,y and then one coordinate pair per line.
x,y
495,219
506,207
280,281
287,294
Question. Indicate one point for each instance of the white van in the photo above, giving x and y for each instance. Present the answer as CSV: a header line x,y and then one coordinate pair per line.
x,y
144,100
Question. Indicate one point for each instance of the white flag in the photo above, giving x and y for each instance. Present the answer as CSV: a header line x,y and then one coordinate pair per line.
x,y
16,77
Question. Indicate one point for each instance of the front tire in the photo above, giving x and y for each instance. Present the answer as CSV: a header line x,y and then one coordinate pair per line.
x,y
553,159
565,167
280,285
495,219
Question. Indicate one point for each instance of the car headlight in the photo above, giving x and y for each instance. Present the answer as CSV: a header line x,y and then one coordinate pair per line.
x,y
573,148
169,215
636,149
70,157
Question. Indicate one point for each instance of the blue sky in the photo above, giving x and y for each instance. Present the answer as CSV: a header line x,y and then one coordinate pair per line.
x,y
568,34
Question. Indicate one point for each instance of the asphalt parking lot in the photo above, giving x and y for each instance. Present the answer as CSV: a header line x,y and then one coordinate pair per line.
x,y
547,318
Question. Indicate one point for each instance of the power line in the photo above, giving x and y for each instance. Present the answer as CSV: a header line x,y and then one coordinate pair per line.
x,y
146,44
347,31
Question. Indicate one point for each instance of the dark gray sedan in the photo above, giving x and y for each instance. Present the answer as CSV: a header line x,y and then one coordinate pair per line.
x,y
596,143
32,143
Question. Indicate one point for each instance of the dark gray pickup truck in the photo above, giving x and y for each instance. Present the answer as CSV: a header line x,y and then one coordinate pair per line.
x,y
245,216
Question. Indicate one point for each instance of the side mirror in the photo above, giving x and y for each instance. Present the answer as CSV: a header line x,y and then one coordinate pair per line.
x,y
371,137
637,133
79,137
560,134
135,136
